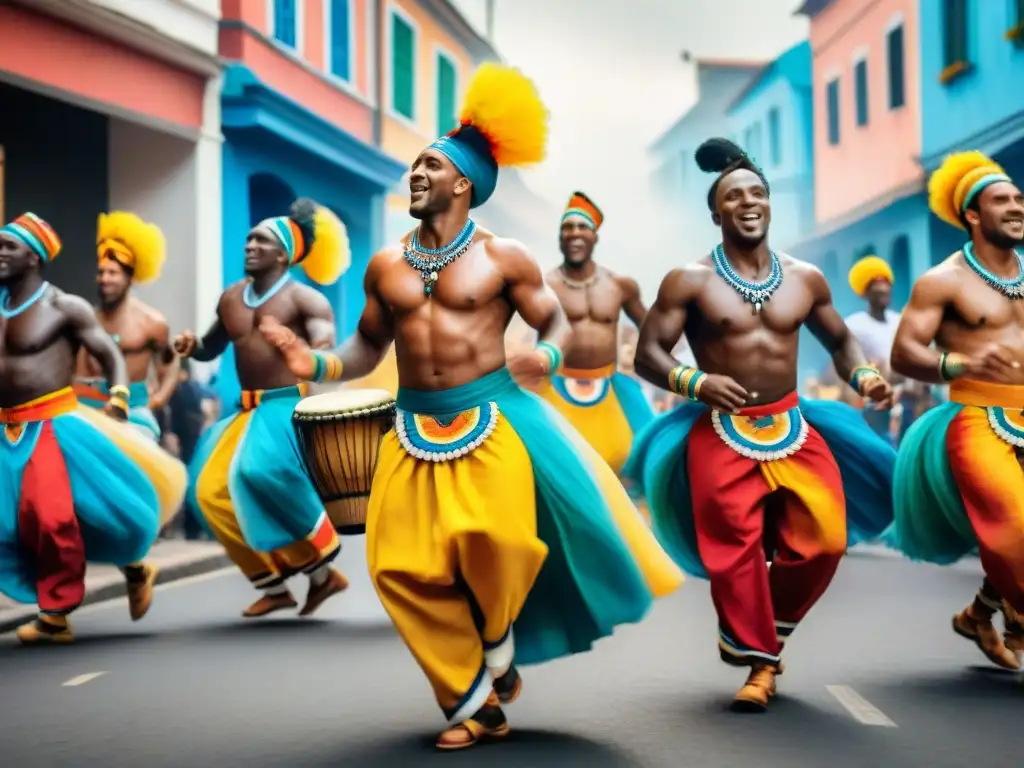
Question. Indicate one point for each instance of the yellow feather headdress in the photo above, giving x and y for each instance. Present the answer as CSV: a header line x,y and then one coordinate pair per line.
x,y
961,178
315,238
133,243
503,123
866,271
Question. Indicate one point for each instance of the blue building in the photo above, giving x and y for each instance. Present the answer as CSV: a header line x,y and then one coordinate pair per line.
x,y
677,180
298,125
772,120
972,67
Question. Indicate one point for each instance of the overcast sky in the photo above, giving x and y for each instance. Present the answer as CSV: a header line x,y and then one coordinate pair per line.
x,y
611,75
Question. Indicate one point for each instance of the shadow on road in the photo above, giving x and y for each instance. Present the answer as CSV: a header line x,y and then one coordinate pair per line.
x,y
975,683
535,748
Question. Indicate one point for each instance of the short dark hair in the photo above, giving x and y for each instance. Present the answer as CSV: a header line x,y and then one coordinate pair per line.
x,y
722,156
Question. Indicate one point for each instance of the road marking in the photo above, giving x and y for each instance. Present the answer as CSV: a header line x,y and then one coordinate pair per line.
x,y
863,711
82,679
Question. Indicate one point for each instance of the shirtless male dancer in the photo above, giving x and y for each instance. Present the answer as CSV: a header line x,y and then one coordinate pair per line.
x,y
606,406
480,481
78,484
130,252
752,472
960,473
248,481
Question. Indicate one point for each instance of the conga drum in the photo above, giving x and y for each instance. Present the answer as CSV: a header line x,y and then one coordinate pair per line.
x,y
339,436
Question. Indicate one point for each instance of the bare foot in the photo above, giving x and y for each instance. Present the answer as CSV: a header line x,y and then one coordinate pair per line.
x,y
295,351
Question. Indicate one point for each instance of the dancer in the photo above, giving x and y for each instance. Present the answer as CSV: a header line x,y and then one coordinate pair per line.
x,y
606,407
752,472
248,481
456,565
130,252
871,278
959,477
80,485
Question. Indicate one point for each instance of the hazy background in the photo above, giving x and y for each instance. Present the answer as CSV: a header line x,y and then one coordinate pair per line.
x,y
612,77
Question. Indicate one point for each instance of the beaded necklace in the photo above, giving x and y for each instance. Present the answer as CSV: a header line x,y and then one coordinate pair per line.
x,y
1012,289
578,284
252,301
5,298
753,293
430,261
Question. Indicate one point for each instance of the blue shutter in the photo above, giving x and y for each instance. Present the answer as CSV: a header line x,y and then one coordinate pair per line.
x,y
860,83
341,39
403,67
285,16
897,72
832,101
954,30
774,137
446,105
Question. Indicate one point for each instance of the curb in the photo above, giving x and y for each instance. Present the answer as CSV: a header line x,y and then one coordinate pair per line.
x,y
171,572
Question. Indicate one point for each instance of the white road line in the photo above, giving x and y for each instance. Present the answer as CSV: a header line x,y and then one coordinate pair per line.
x,y
863,711
82,679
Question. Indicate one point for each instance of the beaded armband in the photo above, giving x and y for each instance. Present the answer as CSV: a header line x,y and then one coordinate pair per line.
x,y
119,403
950,369
552,353
860,374
326,367
686,381
120,391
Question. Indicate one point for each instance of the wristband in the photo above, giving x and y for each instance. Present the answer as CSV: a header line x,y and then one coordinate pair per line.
x,y
120,391
860,374
950,369
119,403
326,367
552,353
686,381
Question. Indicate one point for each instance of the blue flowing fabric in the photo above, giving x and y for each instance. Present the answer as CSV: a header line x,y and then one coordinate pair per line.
x,y
204,447
635,405
139,413
931,522
590,582
274,499
658,463
116,505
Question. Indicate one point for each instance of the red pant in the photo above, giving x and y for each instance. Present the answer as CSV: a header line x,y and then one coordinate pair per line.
x,y
48,527
791,511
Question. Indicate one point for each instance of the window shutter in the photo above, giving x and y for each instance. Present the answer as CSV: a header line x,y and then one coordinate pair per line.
x,y
446,106
402,67
340,39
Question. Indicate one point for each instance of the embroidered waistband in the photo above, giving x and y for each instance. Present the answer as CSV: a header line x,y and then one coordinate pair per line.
x,y
41,408
251,398
984,394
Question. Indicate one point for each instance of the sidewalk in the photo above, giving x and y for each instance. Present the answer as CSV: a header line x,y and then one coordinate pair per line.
x,y
176,560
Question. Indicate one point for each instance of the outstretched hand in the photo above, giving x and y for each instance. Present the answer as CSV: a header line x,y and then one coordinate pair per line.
x,y
296,352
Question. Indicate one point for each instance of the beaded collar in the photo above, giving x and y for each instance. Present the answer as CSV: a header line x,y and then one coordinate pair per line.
x,y
430,261
753,293
1012,289
5,297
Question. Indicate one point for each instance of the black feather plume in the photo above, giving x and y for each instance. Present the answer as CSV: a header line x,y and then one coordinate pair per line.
x,y
303,213
715,155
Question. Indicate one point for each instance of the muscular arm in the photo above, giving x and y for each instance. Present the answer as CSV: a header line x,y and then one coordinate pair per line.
x,y
831,330
318,319
363,351
664,325
87,331
214,342
530,295
167,364
632,304
912,353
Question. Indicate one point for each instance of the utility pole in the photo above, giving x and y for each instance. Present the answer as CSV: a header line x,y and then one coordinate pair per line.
x,y
489,20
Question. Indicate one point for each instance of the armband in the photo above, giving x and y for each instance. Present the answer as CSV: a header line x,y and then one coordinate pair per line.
x,y
950,369
860,374
686,381
326,367
119,403
120,391
552,353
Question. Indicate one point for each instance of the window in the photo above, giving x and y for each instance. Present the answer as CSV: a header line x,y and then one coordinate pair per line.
x,y
1018,12
954,32
832,102
774,137
897,75
446,94
752,142
338,47
403,67
286,21
860,84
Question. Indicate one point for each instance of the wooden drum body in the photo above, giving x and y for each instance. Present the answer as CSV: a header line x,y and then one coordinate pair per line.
x,y
339,435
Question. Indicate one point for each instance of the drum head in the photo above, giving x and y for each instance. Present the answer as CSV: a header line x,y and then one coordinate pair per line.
x,y
342,402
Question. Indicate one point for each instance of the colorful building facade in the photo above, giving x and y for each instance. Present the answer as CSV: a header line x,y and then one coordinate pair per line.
x,y
972,64
116,106
678,182
300,119
771,119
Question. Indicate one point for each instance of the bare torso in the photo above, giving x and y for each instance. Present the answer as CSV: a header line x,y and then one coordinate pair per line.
x,y
37,351
758,350
456,335
257,363
978,315
594,310
135,328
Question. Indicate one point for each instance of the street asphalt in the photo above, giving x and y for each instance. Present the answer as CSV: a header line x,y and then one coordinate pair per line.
x,y
875,678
